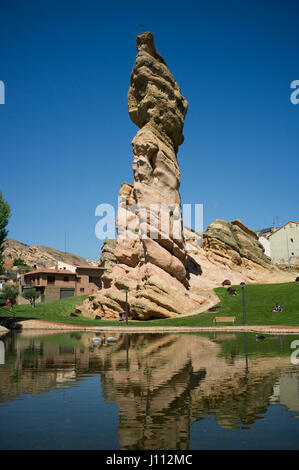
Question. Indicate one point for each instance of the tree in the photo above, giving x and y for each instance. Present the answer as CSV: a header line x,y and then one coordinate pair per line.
x,y
31,294
4,217
10,292
19,262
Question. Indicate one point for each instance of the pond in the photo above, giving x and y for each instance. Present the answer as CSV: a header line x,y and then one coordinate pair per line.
x,y
148,391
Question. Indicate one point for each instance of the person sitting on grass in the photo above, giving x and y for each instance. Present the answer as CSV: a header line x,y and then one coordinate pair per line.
x,y
278,308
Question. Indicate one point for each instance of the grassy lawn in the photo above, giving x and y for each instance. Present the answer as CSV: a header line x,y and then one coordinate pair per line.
x,y
54,311
260,299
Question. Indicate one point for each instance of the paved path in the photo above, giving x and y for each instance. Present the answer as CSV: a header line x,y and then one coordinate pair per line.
x,y
273,329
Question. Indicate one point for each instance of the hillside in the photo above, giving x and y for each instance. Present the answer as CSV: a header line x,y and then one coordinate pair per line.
x,y
39,255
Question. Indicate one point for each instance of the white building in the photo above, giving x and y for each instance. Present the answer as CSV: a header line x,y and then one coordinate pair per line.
x,y
266,244
282,244
63,265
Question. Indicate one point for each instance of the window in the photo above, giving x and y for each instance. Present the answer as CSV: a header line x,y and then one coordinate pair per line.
x,y
89,278
292,254
292,240
81,289
66,278
51,279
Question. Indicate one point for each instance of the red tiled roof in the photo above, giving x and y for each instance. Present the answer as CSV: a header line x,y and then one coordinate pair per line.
x,y
50,271
290,222
87,266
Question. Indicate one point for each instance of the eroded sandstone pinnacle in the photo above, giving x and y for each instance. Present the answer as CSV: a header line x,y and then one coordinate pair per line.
x,y
154,99
152,261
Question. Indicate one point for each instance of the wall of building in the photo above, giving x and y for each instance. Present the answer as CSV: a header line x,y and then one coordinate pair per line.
x,y
52,293
84,284
41,279
62,265
284,244
86,280
266,244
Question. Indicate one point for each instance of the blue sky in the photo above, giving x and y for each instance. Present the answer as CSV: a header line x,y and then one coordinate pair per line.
x,y
65,133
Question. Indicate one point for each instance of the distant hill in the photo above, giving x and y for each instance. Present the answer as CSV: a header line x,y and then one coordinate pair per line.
x,y
39,255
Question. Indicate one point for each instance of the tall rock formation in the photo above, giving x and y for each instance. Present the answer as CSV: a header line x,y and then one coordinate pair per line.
x,y
152,259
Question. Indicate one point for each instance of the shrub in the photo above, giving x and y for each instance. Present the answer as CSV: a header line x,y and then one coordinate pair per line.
x,y
10,292
19,262
31,294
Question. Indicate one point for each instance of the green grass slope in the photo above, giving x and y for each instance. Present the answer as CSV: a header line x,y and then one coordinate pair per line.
x,y
260,299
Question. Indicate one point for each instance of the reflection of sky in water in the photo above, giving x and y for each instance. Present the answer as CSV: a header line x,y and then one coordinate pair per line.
x,y
66,418
154,391
277,430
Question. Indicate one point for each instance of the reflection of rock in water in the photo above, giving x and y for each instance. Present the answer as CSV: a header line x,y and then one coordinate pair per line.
x,y
154,395
173,380
164,383
235,403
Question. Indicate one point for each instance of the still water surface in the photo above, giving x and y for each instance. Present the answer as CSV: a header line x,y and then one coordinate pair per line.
x,y
148,391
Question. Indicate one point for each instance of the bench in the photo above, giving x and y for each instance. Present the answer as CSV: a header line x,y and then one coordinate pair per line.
x,y
224,320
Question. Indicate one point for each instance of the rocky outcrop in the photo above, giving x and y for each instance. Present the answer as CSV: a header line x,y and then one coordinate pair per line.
x,y
224,252
154,99
230,252
152,259
108,260
39,255
235,242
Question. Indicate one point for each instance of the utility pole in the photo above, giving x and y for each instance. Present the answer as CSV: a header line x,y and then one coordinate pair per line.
x,y
242,284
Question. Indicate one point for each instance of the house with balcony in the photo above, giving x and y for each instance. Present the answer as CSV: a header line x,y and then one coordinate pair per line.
x,y
57,283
